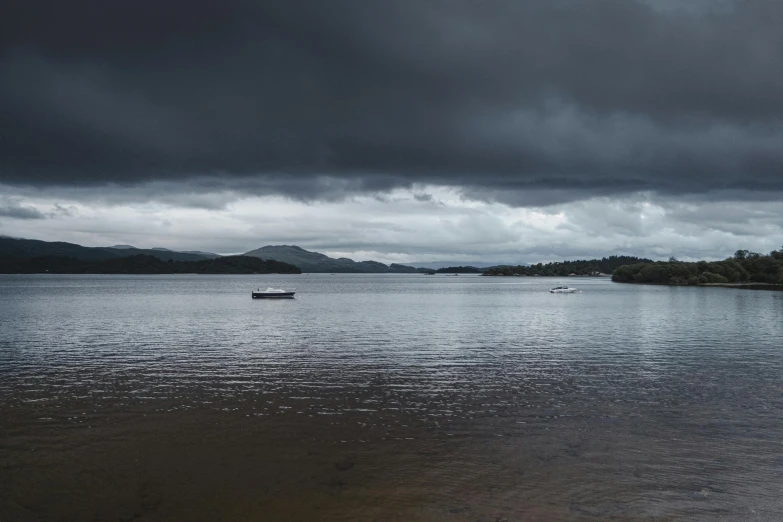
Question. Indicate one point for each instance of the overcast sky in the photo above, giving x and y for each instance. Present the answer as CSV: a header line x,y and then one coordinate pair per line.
x,y
405,130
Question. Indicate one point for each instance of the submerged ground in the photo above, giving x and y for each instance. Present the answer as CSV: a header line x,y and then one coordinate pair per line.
x,y
387,398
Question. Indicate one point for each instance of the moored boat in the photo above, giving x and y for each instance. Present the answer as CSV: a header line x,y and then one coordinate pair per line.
x,y
272,293
562,289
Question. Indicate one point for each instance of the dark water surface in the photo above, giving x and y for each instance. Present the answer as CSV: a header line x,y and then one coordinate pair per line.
x,y
387,397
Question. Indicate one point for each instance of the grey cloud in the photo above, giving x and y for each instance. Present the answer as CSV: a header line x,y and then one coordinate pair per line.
x,y
522,101
17,211
63,211
211,192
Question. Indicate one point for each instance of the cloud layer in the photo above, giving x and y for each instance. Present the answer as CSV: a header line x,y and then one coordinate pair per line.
x,y
425,224
524,102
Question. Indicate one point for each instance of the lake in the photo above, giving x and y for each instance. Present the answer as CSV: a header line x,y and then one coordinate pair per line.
x,y
387,397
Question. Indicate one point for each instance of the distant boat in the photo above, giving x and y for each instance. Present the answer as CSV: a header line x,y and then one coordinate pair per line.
x,y
562,289
272,293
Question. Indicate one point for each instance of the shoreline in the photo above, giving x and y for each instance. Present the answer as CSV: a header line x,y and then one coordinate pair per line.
x,y
743,286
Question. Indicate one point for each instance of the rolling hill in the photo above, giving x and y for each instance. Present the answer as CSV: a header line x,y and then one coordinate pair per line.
x,y
12,248
315,262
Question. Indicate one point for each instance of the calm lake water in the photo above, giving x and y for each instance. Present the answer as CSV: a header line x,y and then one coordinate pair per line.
x,y
620,402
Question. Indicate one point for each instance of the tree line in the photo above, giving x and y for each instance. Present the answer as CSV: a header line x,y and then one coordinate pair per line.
x,y
458,270
744,267
145,264
603,266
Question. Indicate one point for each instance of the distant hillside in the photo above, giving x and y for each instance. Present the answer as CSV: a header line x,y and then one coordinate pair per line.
x,y
604,266
29,248
402,269
315,262
145,264
209,255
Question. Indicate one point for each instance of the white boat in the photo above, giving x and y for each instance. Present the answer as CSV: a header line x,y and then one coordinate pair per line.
x,y
272,293
562,289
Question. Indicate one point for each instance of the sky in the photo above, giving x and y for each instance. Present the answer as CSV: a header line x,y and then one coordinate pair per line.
x,y
508,131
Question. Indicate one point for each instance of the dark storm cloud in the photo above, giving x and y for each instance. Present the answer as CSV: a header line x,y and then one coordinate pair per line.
x,y
512,100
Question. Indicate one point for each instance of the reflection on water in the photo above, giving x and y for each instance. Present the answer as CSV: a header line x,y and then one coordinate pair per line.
x,y
620,401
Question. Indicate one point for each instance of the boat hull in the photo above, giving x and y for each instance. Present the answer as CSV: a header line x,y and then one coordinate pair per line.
x,y
273,295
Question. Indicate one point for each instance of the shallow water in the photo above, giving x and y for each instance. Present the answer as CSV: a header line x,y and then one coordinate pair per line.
x,y
619,402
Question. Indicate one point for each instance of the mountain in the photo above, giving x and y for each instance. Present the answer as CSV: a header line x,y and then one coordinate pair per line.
x,y
315,262
29,248
145,264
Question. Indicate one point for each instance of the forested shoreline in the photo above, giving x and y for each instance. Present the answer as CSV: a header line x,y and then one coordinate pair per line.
x,y
145,264
744,267
592,267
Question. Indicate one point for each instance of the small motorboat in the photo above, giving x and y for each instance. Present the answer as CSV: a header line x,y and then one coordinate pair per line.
x,y
562,289
272,293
